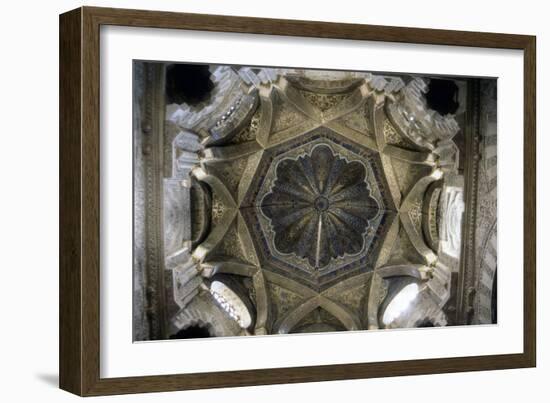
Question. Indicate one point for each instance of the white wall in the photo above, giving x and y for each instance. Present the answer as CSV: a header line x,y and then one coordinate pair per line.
x,y
29,197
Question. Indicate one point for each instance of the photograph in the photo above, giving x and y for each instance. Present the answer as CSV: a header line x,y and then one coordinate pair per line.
x,y
274,200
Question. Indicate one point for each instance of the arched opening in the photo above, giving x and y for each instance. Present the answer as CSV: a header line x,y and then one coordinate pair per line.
x,y
400,302
231,296
442,96
188,83
192,332
317,321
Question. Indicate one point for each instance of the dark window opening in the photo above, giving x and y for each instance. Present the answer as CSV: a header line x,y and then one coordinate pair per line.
x,y
442,96
188,83
192,332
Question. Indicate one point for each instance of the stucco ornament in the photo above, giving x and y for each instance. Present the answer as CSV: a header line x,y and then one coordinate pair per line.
x,y
320,206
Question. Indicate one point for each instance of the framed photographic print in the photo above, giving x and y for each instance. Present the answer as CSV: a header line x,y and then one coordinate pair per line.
x,y
249,201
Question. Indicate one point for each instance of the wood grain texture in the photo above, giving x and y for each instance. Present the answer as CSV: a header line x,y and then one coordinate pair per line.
x,y
70,315
90,174
530,202
79,200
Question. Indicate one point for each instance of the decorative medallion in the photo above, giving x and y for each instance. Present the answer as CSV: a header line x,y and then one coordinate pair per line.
x,y
320,206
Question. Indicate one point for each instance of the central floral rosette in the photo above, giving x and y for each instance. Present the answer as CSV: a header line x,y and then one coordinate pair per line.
x,y
320,206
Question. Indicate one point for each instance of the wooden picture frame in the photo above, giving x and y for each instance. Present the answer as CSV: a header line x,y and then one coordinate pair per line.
x,y
80,184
